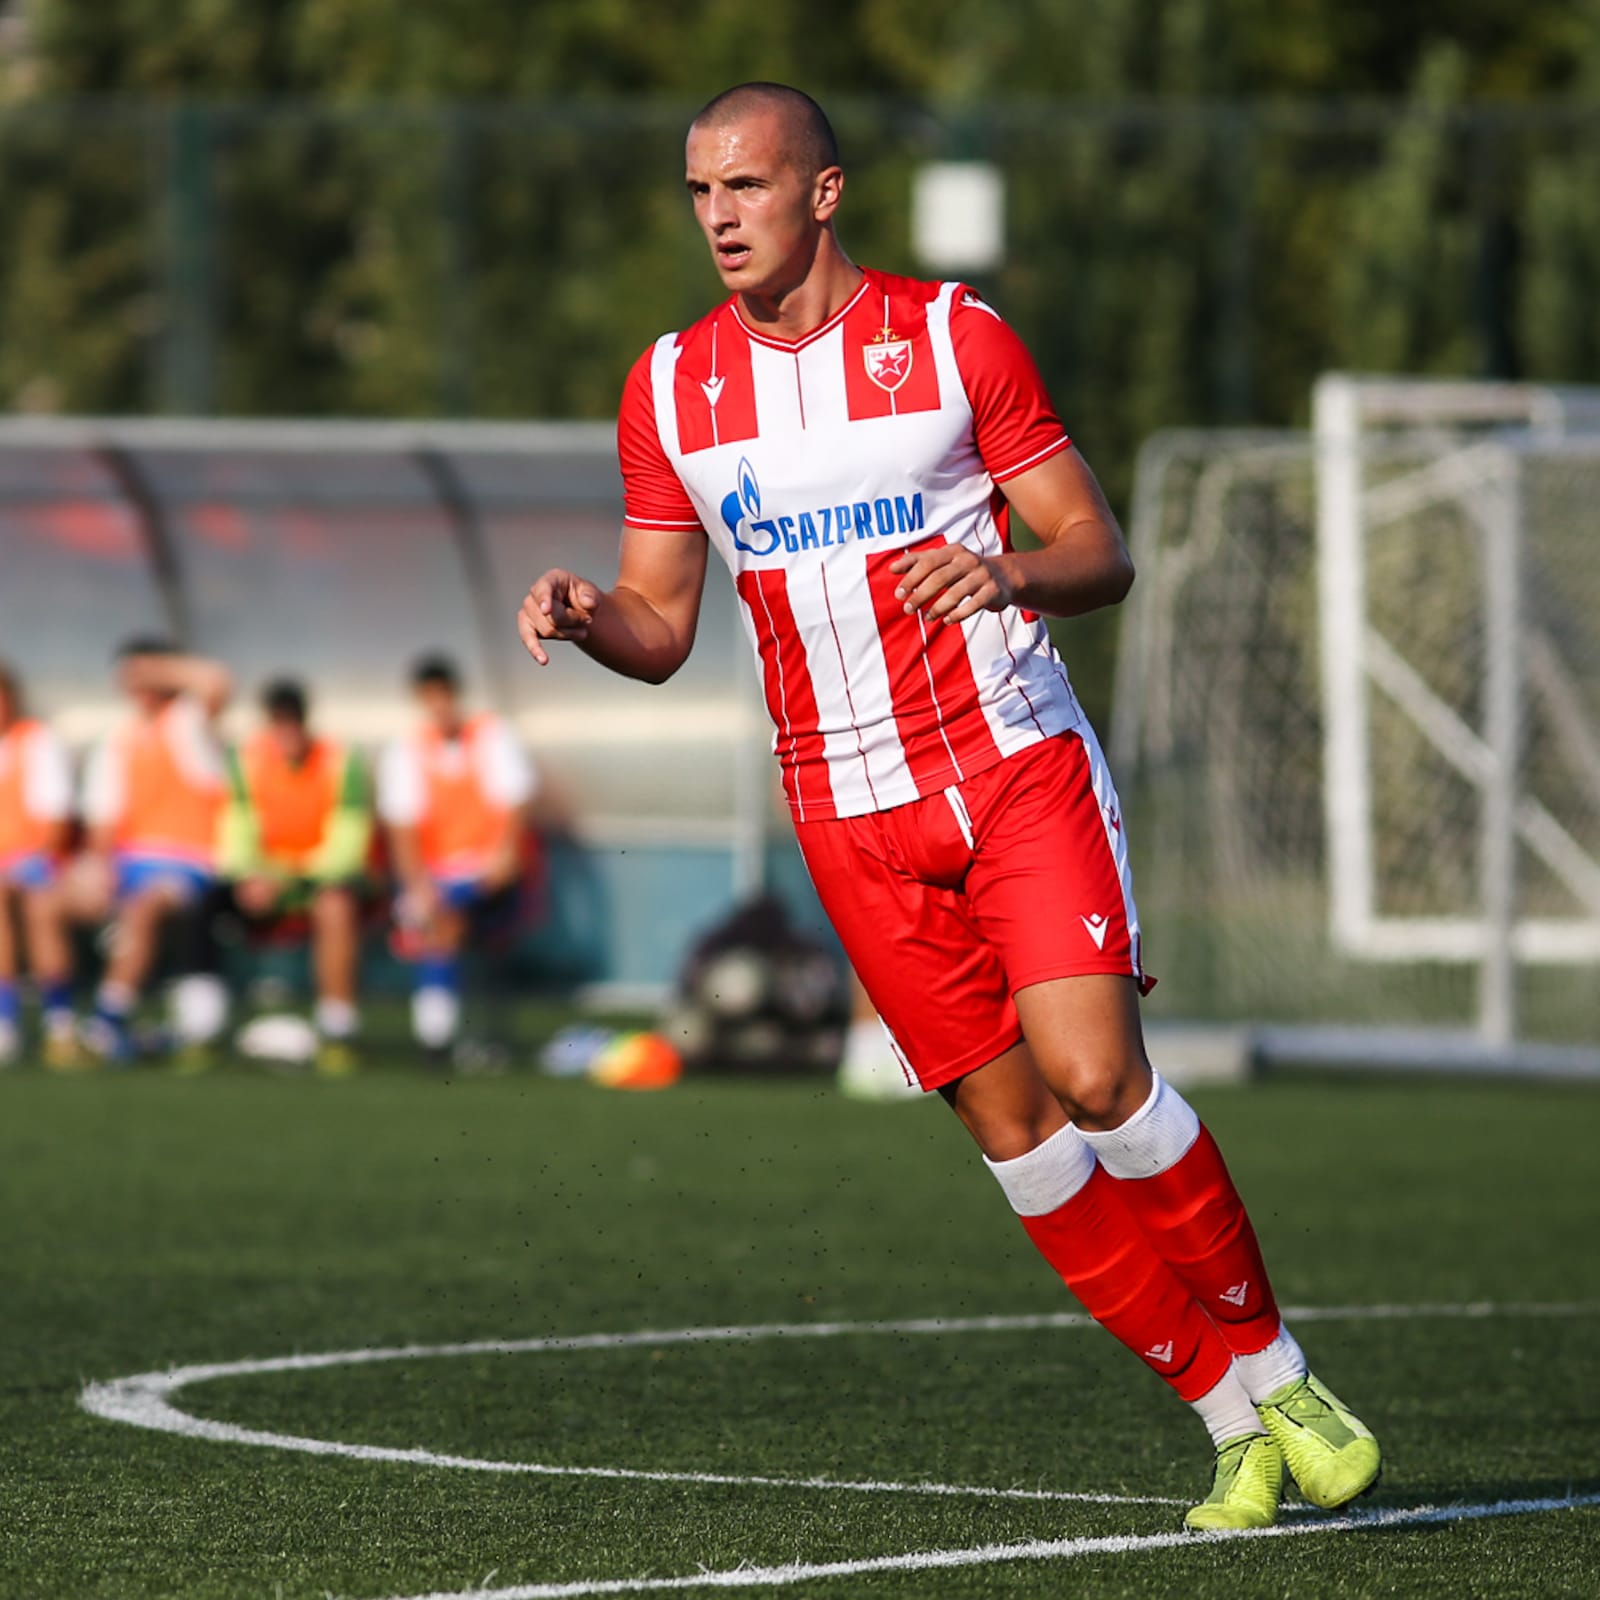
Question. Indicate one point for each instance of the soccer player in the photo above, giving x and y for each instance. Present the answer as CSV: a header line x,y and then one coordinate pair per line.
x,y
295,837
35,817
153,794
854,444
453,797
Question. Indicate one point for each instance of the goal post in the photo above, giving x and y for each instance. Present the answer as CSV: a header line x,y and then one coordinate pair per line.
x,y
1360,686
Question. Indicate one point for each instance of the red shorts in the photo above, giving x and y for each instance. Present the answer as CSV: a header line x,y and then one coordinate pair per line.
x,y
950,904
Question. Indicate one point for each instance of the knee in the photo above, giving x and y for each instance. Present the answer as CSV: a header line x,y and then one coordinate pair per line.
x,y
142,911
334,909
1005,1140
1101,1094
1008,1125
42,907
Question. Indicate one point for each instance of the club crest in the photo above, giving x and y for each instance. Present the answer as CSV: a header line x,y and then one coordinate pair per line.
x,y
888,360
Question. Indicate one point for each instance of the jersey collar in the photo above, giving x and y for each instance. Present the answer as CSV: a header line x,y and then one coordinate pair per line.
x,y
794,346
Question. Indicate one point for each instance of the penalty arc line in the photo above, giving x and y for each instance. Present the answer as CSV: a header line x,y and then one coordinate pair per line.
x,y
144,1399
1033,1550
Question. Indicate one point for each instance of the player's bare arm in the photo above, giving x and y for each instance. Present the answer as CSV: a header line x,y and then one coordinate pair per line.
x,y
644,626
1083,565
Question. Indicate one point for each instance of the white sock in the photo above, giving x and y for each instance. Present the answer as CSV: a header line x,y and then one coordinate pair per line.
x,y
435,1016
337,1019
199,1007
1272,1369
1226,1409
1157,1136
1047,1176
115,999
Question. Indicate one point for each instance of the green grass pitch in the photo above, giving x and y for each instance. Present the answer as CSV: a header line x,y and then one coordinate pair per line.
x,y
151,1221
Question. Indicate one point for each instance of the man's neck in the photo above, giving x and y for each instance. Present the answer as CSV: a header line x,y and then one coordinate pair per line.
x,y
825,290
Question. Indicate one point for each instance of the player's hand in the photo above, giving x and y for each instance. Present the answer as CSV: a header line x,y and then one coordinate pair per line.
x,y
419,904
256,896
560,605
88,884
950,583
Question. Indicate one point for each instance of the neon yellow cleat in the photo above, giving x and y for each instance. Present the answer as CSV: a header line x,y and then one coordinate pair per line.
x,y
193,1059
64,1053
1245,1490
1328,1450
337,1058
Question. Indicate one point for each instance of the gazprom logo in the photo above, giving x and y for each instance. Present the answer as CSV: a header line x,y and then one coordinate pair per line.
x,y
740,511
820,528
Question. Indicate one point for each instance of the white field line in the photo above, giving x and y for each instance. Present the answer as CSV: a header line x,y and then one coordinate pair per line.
x,y
1120,1544
144,1400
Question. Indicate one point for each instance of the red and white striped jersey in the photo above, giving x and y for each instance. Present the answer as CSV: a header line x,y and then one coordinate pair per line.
x,y
812,464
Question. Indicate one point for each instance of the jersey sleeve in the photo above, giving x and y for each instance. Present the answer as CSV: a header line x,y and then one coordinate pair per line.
x,y
187,730
400,788
653,496
1014,423
504,769
104,788
47,777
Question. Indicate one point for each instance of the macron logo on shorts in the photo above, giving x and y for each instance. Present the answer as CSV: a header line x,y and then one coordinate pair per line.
x,y
1096,926
1161,1353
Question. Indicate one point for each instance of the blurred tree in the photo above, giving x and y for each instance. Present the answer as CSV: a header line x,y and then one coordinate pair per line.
x,y
360,206
1406,240
1558,311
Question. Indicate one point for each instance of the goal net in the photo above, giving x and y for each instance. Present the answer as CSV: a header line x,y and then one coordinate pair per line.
x,y
1358,717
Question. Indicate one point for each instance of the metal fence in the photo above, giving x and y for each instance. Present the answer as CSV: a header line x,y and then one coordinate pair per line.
x,y
1171,264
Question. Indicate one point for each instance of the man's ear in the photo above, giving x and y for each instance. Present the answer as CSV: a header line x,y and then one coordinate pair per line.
x,y
827,192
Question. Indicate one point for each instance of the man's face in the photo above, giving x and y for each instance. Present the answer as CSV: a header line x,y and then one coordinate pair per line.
x,y
291,738
131,680
439,705
761,215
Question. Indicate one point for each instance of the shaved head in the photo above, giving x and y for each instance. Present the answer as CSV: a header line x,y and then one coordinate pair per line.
x,y
811,144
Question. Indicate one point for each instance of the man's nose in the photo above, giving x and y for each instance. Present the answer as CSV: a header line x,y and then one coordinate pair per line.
x,y
721,212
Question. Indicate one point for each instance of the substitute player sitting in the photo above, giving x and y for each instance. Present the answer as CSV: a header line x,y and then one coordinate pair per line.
x,y
853,445
295,838
152,799
35,819
453,797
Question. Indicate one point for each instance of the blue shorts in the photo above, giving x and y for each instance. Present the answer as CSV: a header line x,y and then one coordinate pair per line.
x,y
137,873
462,894
35,870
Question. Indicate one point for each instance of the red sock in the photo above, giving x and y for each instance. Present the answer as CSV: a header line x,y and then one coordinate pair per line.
x,y
1193,1217
1106,1261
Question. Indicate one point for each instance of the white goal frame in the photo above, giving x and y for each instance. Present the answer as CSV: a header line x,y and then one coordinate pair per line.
x,y
1482,431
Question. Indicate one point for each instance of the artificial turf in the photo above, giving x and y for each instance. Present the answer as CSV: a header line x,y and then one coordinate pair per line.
x,y
152,1221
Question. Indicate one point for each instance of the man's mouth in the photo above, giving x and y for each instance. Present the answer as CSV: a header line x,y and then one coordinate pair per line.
x,y
731,253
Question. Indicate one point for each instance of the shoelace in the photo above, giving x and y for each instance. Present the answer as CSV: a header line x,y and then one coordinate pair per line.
x,y
1305,1404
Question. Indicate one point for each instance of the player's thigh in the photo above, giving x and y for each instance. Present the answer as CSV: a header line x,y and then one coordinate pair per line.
x,y
334,908
938,987
1006,1105
1049,883
8,938
1085,1035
